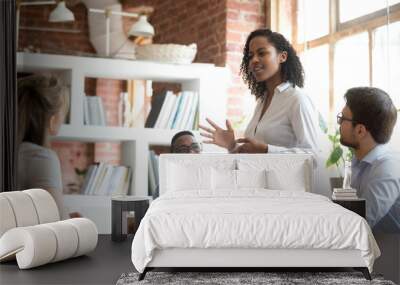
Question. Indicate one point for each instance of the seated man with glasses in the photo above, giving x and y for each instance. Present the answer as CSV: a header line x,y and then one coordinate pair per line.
x,y
185,142
182,142
366,125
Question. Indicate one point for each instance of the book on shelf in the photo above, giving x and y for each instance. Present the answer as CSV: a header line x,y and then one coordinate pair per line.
x,y
152,177
196,120
93,111
166,109
182,123
176,111
180,110
105,179
187,114
134,104
153,174
156,104
192,114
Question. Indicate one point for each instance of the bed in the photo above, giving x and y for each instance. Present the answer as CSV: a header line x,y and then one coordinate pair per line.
x,y
247,210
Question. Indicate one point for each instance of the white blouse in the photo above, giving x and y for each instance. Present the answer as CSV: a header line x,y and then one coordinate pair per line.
x,y
289,124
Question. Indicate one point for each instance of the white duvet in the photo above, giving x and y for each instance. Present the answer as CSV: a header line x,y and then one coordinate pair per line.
x,y
250,219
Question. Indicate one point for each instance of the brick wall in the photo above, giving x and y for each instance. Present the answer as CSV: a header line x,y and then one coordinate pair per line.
x,y
189,21
242,18
36,17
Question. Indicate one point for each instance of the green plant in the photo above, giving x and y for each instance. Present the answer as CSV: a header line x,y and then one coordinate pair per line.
x,y
339,153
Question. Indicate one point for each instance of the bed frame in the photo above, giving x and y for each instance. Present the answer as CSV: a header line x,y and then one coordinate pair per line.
x,y
246,258
242,259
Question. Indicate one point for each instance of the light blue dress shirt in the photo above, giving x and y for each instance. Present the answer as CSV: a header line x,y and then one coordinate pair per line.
x,y
377,179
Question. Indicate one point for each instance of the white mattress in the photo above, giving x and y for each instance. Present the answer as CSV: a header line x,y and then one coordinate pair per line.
x,y
253,218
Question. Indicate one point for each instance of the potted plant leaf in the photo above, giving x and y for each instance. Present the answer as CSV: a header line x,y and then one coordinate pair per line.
x,y
337,157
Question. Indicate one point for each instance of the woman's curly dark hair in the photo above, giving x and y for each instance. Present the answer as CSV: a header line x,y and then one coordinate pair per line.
x,y
291,69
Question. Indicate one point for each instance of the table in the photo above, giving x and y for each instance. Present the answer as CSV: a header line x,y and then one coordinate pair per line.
x,y
355,205
121,206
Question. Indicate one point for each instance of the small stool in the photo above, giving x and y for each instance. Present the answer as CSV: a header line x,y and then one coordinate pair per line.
x,y
120,207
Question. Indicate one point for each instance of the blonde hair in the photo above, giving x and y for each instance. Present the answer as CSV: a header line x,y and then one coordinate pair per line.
x,y
39,98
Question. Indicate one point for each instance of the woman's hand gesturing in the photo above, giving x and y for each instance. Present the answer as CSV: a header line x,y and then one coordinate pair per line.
x,y
219,136
249,145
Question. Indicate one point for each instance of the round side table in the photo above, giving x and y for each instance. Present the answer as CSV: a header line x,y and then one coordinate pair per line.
x,y
120,208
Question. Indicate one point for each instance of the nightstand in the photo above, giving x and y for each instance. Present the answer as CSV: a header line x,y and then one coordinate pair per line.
x,y
355,205
121,207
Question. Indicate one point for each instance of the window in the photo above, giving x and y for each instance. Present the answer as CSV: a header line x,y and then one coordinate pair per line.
x,y
349,10
386,60
351,63
344,44
316,62
314,16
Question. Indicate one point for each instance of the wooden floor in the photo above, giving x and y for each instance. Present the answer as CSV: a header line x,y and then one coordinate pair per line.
x,y
102,266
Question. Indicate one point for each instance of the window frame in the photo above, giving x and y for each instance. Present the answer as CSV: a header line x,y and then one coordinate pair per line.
x,y
337,31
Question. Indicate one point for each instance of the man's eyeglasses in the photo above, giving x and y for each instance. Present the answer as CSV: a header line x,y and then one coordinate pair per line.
x,y
340,118
195,147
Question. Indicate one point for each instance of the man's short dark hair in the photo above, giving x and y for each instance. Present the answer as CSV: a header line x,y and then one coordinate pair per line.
x,y
373,108
178,135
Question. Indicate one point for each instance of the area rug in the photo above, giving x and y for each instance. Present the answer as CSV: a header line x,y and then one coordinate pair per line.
x,y
243,278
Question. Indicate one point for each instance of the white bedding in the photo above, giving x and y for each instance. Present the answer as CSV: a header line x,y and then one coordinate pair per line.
x,y
252,218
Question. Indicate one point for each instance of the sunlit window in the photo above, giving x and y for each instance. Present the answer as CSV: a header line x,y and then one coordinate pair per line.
x,y
351,66
313,19
351,9
344,44
316,66
386,60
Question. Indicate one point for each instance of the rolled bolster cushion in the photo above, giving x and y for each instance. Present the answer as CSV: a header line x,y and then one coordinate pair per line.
x,y
67,240
40,244
33,246
23,208
87,234
7,217
46,207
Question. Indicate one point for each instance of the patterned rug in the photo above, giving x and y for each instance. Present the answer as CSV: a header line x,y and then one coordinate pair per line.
x,y
242,278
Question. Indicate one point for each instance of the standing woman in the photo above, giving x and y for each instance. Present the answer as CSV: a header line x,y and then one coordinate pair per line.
x,y
42,105
284,118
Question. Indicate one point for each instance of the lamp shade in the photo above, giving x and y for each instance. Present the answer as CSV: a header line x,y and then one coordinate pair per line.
x,y
142,28
61,14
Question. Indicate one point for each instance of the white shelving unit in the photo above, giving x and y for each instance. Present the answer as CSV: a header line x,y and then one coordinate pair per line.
x,y
208,80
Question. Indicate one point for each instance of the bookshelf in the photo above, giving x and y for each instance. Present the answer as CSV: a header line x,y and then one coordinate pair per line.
x,y
208,80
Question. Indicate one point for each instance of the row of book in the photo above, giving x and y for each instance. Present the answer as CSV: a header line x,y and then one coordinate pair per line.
x,y
93,111
105,179
153,175
344,194
174,111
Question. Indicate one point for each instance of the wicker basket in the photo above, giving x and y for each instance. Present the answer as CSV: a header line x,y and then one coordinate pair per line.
x,y
170,53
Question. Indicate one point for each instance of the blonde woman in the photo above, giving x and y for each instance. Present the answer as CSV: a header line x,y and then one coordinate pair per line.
x,y
42,105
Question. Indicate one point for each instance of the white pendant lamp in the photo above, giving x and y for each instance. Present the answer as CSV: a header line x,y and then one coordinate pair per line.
x,y
142,28
61,14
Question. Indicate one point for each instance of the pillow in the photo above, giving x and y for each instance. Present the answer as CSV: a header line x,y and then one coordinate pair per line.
x,y
223,179
279,180
251,178
183,177
282,172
